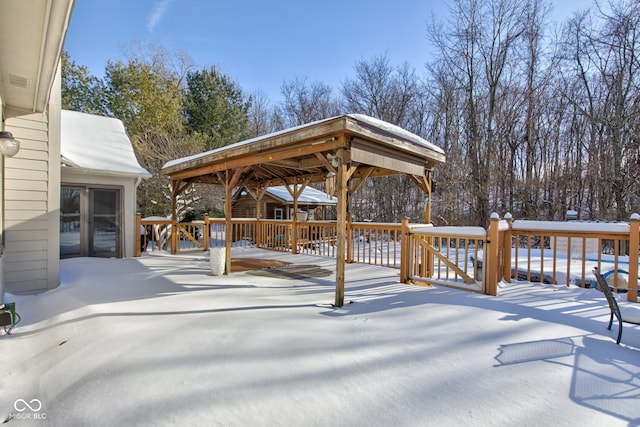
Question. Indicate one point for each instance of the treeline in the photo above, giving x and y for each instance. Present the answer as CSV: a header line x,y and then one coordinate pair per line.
x,y
535,118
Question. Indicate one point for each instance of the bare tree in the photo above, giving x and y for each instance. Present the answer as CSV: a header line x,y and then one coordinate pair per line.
x,y
477,48
603,75
304,102
395,95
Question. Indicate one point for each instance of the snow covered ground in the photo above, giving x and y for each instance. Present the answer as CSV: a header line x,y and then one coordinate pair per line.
x,y
158,340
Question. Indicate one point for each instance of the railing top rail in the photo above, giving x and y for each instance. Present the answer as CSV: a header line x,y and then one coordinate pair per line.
x,y
151,221
462,232
413,226
572,227
223,220
376,225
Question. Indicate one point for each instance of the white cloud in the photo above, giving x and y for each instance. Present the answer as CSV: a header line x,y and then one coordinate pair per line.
x,y
157,14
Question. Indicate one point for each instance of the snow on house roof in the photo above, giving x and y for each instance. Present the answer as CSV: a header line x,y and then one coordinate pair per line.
x,y
98,143
309,196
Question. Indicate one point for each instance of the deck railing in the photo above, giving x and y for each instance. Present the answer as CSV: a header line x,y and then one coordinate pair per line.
x,y
466,257
566,253
446,255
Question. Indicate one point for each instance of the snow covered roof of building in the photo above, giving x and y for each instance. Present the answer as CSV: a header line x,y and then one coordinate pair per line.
x,y
376,147
393,130
97,144
309,196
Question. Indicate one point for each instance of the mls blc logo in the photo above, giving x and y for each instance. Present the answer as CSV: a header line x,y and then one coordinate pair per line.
x,y
21,405
28,410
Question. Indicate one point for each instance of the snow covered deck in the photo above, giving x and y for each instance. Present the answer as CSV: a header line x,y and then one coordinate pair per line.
x,y
157,340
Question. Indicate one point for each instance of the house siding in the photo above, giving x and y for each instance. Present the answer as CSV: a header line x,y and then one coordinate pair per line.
x,y
32,201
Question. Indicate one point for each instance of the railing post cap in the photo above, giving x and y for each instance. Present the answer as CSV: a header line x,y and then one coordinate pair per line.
x,y
508,216
635,217
495,216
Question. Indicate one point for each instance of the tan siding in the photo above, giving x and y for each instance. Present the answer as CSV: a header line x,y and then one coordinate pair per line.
x,y
25,175
20,205
28,225
24,235
24,276
27,286
21,246
23,216
26,185
25,265
26,164
33,145
24,256
35,154
25,195
27,211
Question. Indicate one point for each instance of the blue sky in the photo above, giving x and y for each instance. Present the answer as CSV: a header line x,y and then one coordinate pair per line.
x,y
261,43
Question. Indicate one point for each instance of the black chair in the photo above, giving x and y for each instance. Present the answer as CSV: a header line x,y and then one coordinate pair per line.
x,y
613,304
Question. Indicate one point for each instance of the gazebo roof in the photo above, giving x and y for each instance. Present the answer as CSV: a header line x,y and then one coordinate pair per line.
x,y
306,151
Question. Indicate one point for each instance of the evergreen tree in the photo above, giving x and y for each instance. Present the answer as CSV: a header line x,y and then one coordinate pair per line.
x,y
216,108
80,90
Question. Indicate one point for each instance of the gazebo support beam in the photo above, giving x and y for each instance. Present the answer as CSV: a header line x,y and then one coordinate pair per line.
x,y
295,194
341,235
424,183
230,178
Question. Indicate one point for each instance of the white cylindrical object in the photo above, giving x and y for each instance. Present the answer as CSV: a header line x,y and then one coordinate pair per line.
x,y
217,260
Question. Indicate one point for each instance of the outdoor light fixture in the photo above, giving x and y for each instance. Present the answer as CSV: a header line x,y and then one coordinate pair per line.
x,y
333,159
9,146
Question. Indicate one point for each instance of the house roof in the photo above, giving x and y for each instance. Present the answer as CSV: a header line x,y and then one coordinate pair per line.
x,y
97,144
309,196
32,33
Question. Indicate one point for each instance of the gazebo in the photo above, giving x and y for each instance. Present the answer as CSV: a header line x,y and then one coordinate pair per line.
x,y
340,151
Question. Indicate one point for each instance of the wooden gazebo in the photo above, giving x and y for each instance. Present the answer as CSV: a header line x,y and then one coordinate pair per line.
x,y
342,151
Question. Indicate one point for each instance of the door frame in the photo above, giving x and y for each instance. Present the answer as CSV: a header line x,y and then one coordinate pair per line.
x,y
85,218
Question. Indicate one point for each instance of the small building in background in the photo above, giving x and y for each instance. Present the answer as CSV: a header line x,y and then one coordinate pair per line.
x,y
277,203
99,178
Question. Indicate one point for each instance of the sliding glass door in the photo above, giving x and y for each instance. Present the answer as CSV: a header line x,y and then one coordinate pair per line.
x,y
90,222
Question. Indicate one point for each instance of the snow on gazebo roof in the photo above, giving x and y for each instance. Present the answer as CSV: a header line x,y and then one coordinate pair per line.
x,y
97,144
393,130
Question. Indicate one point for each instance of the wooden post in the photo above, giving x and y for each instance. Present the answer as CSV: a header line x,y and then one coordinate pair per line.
x,y
427,195
228,213
404,250
232,178
490,261
174,217
349,233
141,238
257,234
341,190
634,241
506,249
294,230
206,233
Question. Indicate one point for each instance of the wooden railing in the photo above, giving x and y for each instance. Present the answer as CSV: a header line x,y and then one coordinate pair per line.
x,y
465,257
566,253
446,255
243,232
374,243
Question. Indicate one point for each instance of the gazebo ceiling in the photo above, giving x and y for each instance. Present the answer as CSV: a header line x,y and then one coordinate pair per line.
x,y
306,152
